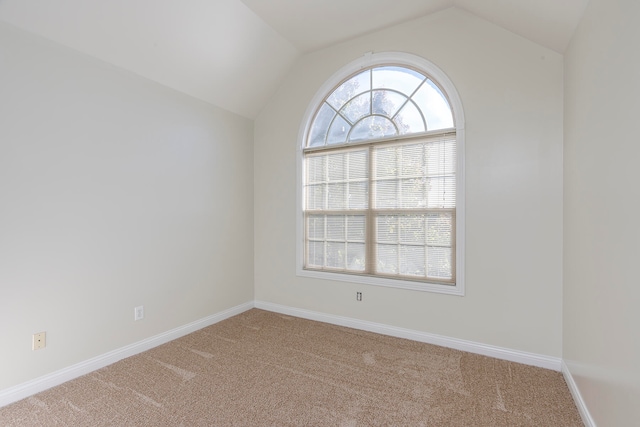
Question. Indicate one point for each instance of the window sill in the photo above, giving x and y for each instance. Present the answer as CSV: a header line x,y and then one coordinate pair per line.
x,y
382,281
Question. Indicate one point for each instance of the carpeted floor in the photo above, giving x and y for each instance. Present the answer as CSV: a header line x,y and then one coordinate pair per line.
x,y
266,369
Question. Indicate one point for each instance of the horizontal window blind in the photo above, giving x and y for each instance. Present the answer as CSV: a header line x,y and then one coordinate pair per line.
x,y
384,209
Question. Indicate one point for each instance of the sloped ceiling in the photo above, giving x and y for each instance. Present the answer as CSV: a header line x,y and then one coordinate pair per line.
x,y
216,50
312,24
234,53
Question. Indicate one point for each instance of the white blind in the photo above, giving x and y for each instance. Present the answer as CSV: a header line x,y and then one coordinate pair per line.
x,y
385,209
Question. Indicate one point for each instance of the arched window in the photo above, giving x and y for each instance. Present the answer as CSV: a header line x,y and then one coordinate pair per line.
x,y
381,102
381,178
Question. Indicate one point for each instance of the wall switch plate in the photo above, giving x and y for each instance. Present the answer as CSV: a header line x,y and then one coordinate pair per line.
x,y
138,312
358,296
39,340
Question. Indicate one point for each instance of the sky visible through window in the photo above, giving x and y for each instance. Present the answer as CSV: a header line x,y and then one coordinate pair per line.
x,y
379,103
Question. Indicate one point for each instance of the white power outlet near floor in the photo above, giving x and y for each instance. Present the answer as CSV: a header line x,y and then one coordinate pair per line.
x,y
138,312
39,340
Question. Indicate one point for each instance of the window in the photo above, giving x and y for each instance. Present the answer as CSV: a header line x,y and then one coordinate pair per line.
x,y
380,182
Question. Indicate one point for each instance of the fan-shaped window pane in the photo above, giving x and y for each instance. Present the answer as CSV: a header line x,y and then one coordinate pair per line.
x,y
387,103
338,131
401,79
320,125
358,107
434,106
355,85
409,119
372,127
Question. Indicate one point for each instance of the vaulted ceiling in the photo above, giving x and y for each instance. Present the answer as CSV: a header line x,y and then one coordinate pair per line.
x,y
234,53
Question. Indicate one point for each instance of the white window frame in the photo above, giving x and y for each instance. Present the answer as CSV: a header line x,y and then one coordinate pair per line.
x,y
436,74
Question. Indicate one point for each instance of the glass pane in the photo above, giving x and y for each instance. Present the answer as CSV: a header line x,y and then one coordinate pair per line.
x,y
358,195
357,108
439,262
352,87
335,227
412,229
386,194
336,196
316,226
412,261
387,103
398,78
336,170
387,229
412,193
441,157
315,195
387,260
336,255
409,120
412,162
386,162
316,169
372,127
315,254
442,192
439,228
355,228
434,106
320,125
358,167
355,256
339,131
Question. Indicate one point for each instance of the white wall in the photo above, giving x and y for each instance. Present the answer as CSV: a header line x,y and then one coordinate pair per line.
x,y
512,92
601,211
114,192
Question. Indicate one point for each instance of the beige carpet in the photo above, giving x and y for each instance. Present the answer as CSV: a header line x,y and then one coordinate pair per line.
x,y
267,369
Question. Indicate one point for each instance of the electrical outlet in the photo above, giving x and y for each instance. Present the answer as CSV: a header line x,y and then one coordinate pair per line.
x,y
39,340
138,312
358,296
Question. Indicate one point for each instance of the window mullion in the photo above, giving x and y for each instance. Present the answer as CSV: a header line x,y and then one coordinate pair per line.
x,y
347,192
399,204
369,240
346,242
325,203
425,195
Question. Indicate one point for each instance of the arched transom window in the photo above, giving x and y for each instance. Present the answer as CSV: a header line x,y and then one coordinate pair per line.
x,y
379,180
380,102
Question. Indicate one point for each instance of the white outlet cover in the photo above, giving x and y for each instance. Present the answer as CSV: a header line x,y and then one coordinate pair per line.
x,y
138,313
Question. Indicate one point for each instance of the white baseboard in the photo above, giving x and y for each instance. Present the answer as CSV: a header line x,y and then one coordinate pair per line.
x,y
577,397
523,357
13,394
